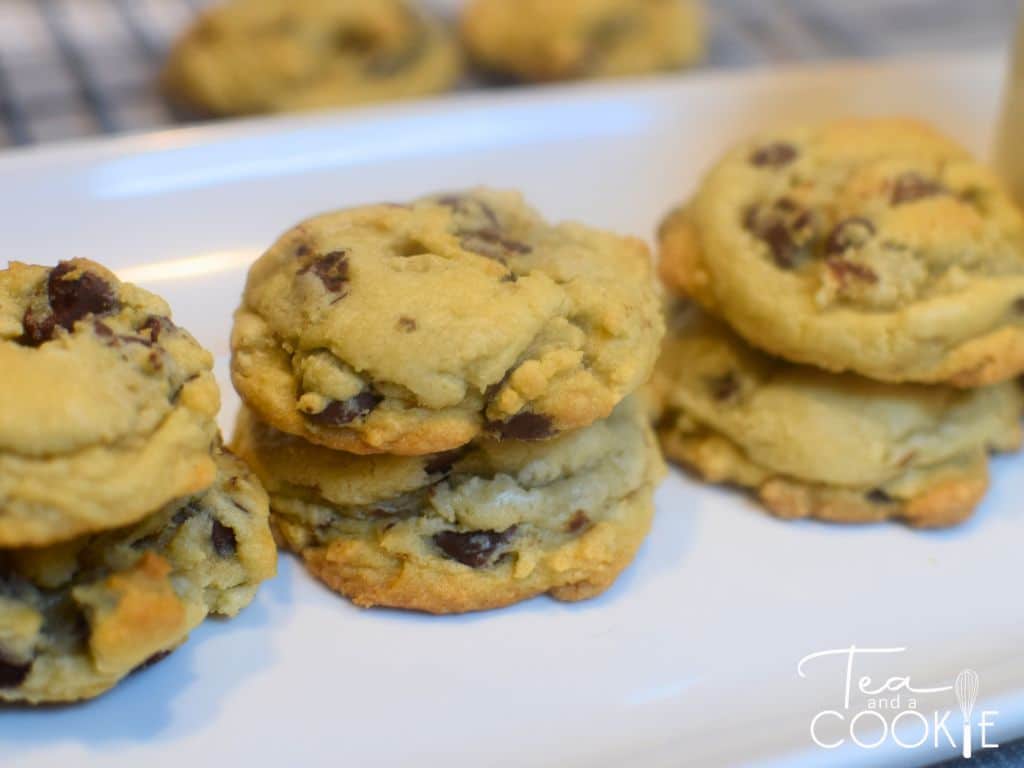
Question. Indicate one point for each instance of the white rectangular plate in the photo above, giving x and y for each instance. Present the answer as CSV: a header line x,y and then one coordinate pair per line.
x,y
691,658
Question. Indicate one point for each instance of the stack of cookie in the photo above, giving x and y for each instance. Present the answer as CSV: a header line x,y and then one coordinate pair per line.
x,y
868,277
122,523
438,401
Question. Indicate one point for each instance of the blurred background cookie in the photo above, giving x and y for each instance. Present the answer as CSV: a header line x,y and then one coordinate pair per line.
x,y
253,56
540,40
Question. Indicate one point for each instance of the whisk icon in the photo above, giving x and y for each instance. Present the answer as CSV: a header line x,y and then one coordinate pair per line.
x,y
966,688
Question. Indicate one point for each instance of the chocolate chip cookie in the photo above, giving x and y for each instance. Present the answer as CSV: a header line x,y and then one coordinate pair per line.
x,y
831,446
480,527
77,617
539,40
247,57
412,329
873,246
109,406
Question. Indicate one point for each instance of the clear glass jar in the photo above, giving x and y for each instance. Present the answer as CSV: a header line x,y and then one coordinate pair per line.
x,y
1010,144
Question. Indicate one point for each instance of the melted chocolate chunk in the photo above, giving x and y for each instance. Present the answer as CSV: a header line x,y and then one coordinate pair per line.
x,y
71,300
332,269
1018,305
491,243
407,324
103,331
786,228
577,522
342,412
523,426
464,204
774,155
473,548
724,387
155,325
442,463
848,233
13,673
225,544
38,328
846,271
913,186
878,496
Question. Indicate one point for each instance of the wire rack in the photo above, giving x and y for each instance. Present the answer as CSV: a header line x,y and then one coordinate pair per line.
x,y
72,68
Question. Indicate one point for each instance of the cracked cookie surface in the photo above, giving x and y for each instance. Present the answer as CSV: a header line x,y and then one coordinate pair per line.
x,y
816,444
109,408
78,616
412,329
538,40
247,57
874,246
484,526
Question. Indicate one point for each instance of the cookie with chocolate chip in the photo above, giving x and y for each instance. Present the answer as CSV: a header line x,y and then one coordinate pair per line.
x,y
412,329
109,407
873,246
77,617
542,40
246,57
831,446
489,524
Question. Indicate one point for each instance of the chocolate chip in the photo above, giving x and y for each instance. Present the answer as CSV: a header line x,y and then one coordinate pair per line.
x,y
332,269
577,522
464,204
523,426
73,299
774,155
785,227
878,496
491,243
224,542
154,659
776,236
724,387
155,325
845,271
38,327
407,324
473,548
913,186
1018,305
13,673
442,463
848,233
341,412
103,330
303,251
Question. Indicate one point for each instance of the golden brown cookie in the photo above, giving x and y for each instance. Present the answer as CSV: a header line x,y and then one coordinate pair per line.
x,y
253,56
873,246
109,406
484,526
832,446
77,617
413,329
540,40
